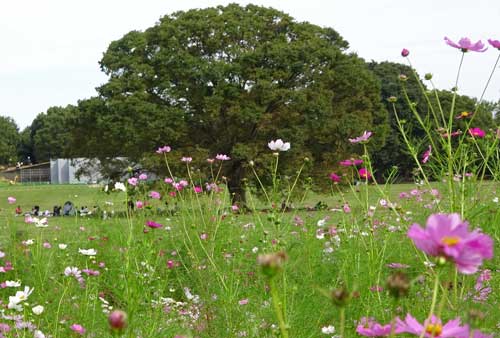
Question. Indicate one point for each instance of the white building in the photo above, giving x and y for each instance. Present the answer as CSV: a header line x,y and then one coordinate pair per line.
x,y
64,170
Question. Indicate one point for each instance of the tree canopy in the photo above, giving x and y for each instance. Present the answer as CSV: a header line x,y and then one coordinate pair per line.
x,y
228,80
9,140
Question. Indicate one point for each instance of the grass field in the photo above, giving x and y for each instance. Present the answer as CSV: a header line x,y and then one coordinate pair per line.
x,y
197,275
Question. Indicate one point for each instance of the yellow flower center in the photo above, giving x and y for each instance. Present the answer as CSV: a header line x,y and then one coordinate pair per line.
x,y
464,114
434,329
450,241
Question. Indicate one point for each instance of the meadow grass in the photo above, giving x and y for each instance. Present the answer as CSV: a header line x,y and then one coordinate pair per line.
x,y
198,276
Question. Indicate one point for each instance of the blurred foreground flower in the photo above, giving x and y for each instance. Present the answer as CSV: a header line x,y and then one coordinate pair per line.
x,y
447,236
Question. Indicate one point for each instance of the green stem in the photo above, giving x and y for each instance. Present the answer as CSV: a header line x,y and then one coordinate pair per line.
x,y
434,299
277,308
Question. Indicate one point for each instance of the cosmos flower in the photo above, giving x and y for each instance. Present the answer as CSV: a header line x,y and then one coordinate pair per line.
x,y
155,195
88,252
186,159
11,200
222,157
120,186
335,178
279,145
363,138
477,132
405,52
494,43
132,181
163,150
464,115
78,329
364,173
153,224
351,162
427,154
447,236
465,45
368,327
432,327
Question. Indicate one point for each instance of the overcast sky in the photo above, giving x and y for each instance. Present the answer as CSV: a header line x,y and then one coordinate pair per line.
x,y
51,48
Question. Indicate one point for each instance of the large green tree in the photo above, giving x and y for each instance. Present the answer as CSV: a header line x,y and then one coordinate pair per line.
x,y
228,80
49,133
9,140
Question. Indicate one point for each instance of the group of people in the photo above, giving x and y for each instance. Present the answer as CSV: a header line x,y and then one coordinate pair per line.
x,y
67,210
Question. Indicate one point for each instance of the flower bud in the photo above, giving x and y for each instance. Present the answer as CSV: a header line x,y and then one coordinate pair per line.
x,y
428,76
117,320
403,77
272,263
405,52
392,99
341,296
252,163
398,284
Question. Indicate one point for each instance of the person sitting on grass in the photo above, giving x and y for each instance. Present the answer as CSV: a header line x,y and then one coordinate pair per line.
x,y
19,211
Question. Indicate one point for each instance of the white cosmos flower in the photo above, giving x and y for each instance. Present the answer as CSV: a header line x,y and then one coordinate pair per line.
x,y
120,186
41,223
88,252
15,302
279,145
38,310
38,334
72,271
29,242
12,284
63,246
328,329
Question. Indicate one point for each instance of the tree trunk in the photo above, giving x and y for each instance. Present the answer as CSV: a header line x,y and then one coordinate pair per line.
x,y
235,184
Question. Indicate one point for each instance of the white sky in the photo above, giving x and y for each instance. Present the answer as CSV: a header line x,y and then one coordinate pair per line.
x,y
51,48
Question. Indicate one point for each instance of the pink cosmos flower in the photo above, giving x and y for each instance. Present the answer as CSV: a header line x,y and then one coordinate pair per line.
x,y
348,163
78,329
494,43
132,181
335,178
143,177
432,327
197,189
368,327
397,266
155,194
153,224
346,208
427,154
363,138
465,45
364,173
222,157
186,159
163,150
477,132
448,236
478,334
405,52
11,200
168,180
139,204
210,160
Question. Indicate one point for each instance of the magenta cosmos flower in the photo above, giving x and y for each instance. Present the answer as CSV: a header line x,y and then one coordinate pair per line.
x,y
405,52
363,138
494,43
432,327
78,329
427,154
153,224
368,327
477,132
465,45
364,173
335,178
449,237
348,163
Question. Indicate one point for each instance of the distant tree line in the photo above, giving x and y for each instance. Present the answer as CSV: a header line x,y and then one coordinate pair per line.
x,y
228,80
